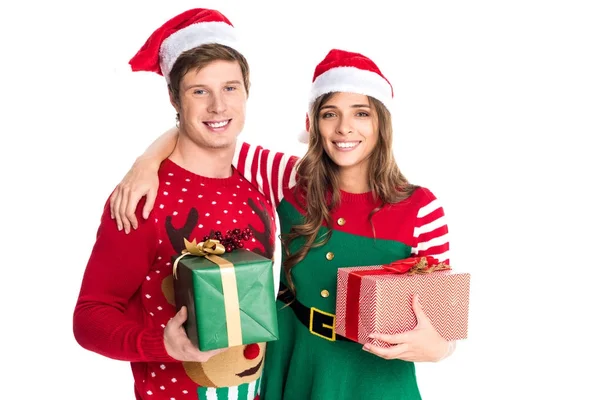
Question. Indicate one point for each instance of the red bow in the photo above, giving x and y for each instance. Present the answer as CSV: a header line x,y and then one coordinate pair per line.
x,y
416,265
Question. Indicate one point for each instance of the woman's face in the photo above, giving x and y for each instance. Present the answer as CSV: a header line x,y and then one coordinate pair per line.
x,y
349,129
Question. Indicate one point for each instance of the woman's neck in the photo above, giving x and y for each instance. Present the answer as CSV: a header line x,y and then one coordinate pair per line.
x,y
354,179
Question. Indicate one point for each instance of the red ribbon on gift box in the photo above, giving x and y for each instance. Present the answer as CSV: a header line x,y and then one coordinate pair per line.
x,y
410,266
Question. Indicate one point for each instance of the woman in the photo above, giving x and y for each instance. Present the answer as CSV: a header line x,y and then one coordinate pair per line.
x,y
345,203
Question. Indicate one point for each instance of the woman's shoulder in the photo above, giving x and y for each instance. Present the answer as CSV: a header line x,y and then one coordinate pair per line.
x,y
419,197
423,193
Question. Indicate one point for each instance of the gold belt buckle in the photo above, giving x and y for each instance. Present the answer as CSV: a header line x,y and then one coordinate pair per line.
x,y
331,327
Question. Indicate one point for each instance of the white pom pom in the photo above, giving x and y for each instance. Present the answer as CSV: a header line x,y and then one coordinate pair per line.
x,y
303,137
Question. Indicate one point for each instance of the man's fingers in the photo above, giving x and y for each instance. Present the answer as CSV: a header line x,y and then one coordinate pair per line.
x,y
211,353
204,356
181,316
192,353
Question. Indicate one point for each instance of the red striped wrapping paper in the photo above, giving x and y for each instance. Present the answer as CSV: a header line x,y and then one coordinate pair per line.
x,y
372,299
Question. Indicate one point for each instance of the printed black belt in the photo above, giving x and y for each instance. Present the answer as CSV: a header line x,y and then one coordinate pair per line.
x,y
319,323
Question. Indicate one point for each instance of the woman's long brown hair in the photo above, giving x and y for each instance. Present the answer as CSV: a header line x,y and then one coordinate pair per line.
x,y
318,184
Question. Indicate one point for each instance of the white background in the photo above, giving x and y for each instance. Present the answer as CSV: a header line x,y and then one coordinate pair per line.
x,y
497,107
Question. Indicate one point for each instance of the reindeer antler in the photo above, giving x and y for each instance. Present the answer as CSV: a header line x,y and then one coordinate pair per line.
x,y
176,236
263,237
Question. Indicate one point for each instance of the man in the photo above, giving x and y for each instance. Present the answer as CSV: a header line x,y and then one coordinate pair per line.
x,y
126,307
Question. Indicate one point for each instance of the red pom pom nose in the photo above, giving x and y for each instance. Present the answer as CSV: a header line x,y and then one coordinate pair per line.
x,y
251,351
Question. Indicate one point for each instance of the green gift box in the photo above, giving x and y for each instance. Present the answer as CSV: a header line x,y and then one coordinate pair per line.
x,y
230,297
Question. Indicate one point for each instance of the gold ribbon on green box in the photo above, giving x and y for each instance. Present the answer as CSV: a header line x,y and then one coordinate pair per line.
x,y
210,249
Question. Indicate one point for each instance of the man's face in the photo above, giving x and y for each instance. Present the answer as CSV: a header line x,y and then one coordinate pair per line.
x,y
212,108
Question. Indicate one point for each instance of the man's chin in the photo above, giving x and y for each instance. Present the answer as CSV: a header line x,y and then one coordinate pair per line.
x,y
224,144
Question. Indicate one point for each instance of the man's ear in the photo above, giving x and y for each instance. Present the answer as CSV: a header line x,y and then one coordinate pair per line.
x,y
174,101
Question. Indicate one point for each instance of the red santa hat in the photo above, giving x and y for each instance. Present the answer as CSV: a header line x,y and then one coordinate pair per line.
x,y
344,71
183,32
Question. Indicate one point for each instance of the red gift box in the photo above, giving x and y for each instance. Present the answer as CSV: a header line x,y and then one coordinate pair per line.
x,y
378,299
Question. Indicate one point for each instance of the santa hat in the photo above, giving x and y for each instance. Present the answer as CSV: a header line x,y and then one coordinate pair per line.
x,y
344,71
183,32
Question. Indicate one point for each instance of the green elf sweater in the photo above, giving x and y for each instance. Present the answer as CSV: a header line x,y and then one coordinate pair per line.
x,y
309,361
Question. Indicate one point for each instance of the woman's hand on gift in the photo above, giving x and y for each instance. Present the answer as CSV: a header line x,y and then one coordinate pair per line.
x,y
141,180
422,344
179,346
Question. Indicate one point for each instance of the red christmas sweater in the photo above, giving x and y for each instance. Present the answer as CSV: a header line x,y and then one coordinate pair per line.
x,y
126,296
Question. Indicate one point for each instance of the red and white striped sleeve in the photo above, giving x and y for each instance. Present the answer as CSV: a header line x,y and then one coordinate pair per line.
x,y
431,236
270,172
431,231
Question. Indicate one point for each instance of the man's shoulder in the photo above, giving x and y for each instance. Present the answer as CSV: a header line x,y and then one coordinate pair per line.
x,y
242,183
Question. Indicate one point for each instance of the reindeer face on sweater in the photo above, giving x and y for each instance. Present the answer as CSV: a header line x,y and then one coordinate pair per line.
x,y
237,365
240,364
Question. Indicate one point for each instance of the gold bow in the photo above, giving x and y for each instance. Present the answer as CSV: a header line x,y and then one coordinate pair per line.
x,y
209,249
